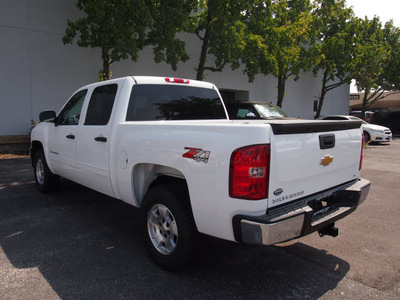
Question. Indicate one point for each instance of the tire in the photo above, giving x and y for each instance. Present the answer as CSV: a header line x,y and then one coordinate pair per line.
x,y
367,137
45,180
167,226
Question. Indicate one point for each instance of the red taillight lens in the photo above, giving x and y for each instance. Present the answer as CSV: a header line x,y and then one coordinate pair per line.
x,y
362,152
176,80
249,172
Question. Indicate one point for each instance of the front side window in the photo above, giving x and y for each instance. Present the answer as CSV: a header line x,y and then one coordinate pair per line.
x,y
72,110
101,104
150,102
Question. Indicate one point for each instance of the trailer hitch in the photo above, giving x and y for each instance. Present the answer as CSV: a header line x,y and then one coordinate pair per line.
x,y
330,230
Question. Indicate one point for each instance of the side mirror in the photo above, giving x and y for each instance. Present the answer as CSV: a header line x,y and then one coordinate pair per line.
x,y
47,115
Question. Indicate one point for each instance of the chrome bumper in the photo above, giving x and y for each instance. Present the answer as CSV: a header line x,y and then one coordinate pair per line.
x,y
301,217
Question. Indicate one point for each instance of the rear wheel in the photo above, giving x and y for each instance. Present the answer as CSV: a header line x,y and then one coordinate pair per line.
x,y
45,180
168,228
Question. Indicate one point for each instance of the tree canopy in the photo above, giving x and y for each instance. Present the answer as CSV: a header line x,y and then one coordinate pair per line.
x,y
122,28
277,37
333,48
282,38
376,66
218,24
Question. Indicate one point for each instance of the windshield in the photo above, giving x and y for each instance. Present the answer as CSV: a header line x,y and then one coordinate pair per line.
x,y
357,119
248,110
270,111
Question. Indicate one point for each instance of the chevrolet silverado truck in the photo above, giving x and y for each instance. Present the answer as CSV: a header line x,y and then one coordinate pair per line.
x,y
168,147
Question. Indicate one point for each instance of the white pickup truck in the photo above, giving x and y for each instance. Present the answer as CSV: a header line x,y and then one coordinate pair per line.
x,y
168,147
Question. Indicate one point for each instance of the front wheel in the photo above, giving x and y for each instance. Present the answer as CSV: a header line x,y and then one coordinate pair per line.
x,y
367,137
45,180
168,228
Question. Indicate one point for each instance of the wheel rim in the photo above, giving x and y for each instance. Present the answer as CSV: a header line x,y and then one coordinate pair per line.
x,y
40,172
162,229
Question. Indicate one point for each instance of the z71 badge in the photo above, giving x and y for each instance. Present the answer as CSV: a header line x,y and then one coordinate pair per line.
x,y
197,154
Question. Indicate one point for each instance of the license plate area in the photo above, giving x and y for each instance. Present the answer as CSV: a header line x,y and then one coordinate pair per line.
x,y
322,207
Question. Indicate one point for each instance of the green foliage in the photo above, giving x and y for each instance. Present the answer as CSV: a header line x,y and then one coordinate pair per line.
x,y
376,64
277,38
122,28
168,18
101,76
219,26
333,49
271,37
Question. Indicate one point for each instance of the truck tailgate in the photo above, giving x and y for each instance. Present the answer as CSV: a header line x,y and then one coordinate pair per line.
x,y
310,157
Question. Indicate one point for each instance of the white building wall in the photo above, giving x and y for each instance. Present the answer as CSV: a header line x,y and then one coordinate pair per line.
x,y
39,72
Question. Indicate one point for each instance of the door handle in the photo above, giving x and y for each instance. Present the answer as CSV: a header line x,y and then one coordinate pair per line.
x,y
100,139
70,136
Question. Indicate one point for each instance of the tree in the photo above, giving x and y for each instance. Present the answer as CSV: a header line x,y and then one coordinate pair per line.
x,y
333,50
376,64
168,18
122,28
277,40
218,24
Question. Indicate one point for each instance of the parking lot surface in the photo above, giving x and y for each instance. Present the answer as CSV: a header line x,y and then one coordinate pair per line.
x,y
78,244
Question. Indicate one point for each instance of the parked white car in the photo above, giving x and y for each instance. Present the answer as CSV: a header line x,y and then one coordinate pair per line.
x,y
372,132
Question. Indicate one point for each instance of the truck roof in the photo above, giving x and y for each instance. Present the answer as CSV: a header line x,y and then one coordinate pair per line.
x,y
172,80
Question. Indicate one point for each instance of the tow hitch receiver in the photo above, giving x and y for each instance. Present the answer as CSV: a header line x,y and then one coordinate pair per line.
x,y
329,230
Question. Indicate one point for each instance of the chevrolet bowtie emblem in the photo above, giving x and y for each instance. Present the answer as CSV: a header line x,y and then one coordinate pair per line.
x,y
326,161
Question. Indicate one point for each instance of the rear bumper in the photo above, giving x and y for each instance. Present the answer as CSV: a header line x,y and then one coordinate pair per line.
x,y
301,217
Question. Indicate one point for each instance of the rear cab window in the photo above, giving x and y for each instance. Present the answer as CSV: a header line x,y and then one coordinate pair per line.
x,y
150,102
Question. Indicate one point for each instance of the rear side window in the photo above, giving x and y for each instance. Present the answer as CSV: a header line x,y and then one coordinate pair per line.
x,y
172,102
101,104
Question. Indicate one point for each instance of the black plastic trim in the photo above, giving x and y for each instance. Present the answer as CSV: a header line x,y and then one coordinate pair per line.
x,y
327,141
312,127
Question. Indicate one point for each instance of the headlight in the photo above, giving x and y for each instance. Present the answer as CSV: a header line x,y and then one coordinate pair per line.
x,y
378,130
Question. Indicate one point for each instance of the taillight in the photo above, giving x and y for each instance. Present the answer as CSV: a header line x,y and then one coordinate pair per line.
x,y
176,80
362,152
249,172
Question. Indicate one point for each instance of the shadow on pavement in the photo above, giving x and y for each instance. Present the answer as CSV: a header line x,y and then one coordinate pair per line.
x,y
87,245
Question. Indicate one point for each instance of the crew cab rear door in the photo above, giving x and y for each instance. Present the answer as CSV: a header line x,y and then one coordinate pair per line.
x,y
93,143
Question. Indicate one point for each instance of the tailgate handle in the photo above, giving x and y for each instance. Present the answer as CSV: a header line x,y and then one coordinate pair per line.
x,y
327,141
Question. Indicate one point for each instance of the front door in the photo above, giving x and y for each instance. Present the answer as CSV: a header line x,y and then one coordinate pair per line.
x,y
63,137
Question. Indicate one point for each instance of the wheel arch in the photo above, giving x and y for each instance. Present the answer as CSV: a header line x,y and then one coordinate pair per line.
x,y
35,146
146,176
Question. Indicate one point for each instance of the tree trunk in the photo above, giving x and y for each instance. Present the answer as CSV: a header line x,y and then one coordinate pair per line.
x,y
106,64
281,89
322,95
203,55
364,104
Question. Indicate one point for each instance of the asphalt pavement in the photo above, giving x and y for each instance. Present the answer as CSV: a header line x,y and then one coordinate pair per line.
x,y
78,244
